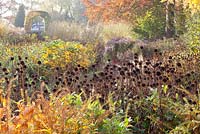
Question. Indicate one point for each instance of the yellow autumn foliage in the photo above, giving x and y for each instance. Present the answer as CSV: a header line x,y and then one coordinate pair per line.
x,y
194,5
59,53
55,116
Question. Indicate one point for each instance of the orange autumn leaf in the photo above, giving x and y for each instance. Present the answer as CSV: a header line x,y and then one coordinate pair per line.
x,y
2,111
111,9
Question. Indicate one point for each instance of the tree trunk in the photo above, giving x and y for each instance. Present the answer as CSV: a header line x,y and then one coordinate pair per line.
x,y
174,18
170,19
181,18
167,18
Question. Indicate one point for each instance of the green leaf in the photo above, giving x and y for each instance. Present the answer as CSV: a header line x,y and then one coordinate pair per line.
x,y
165,87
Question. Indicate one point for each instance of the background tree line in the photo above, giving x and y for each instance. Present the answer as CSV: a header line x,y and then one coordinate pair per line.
x,y
150,18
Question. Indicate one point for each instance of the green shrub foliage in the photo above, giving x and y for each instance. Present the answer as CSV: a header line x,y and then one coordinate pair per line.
x,y
192,36
152,24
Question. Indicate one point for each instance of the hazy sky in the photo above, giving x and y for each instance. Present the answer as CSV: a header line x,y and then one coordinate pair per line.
x,y
9,12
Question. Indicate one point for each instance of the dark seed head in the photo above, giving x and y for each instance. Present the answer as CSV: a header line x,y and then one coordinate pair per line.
x,y
54,90
4,69
143,84
33,83
45,91
57,82
178,64
19,57
188,88
57,68
178,80
60,79
158,73
12,58
22,63
76,69
170,57
39,62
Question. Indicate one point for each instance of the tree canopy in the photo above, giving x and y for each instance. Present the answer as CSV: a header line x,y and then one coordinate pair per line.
x,y
107,10
19,20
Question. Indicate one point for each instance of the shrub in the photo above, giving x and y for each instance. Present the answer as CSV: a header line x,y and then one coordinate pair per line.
x,y
165,114
161,45
192,37
60,53
20,39
11,35
115,125
117,46
150,26
116,30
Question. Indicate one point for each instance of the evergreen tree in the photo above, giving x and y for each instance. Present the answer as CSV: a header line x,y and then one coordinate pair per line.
x,y
19,20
